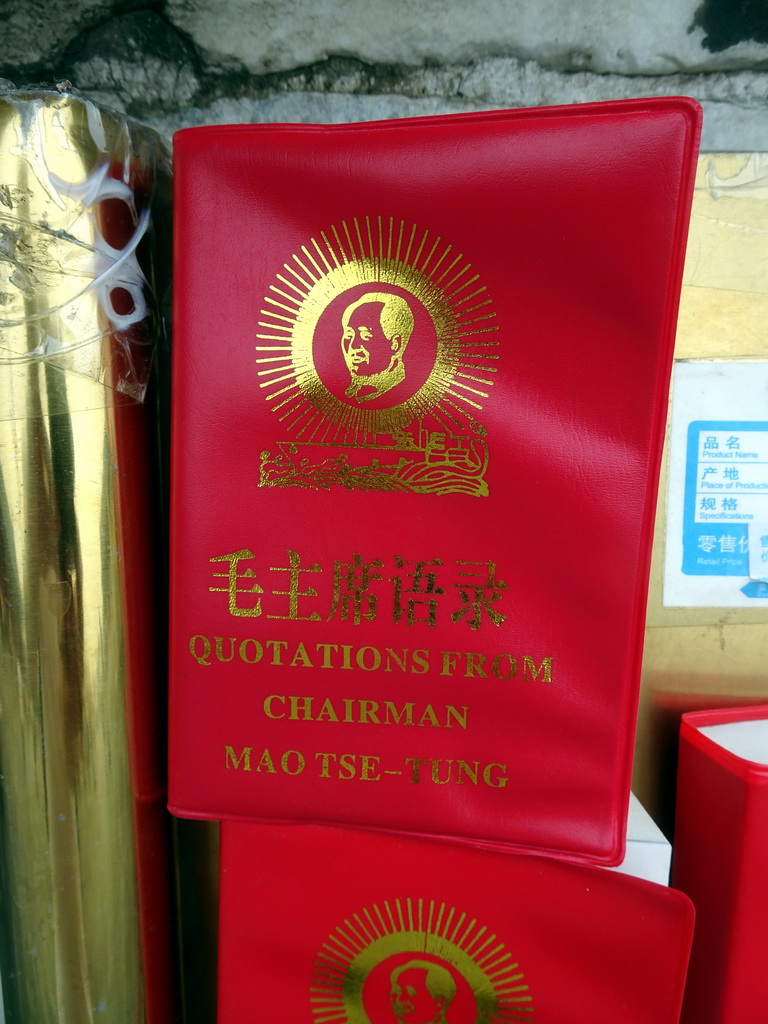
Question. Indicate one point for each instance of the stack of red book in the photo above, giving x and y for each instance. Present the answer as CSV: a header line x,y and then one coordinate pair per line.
x,y
421,380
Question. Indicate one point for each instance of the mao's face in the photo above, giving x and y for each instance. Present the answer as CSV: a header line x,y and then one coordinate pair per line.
x,y
366,349
411,999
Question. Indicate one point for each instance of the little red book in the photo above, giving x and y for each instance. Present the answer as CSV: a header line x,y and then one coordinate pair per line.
x,y
719,860
420,387
323,925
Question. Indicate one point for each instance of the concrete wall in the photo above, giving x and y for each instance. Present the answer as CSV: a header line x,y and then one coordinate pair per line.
x,y
182,62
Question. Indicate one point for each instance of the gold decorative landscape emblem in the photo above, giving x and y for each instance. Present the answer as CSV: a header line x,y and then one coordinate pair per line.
x,y
416,962
375,356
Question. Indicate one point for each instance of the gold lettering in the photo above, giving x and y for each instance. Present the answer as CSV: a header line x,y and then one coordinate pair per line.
x,y
496,781
231,760
277,647
391,710
301,657
326,649
496,666
429,717
219,642
441,772
266,763
268,706
460,716
347,764
415,763
360,659
258,652
421,664
471,773
545,668
436,772
368,765
285,762
345,649
301,709
324,765
369,710
401,662
449,662
200,658
327,711
475,664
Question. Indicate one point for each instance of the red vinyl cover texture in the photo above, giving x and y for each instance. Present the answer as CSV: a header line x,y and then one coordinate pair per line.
x,y
420,385
322,925
719,860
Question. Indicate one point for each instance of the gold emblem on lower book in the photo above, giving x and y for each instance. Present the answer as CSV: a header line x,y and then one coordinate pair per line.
x,y
417,962
375,356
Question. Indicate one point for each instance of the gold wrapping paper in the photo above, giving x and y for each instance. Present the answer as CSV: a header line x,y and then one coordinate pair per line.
x,y
81,844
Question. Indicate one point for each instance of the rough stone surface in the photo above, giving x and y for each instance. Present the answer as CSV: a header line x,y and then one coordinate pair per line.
x,y
644,37
137,56
174,63
735,108
35,32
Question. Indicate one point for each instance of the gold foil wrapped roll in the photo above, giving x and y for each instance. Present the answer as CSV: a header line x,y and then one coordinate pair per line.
x,y
84,917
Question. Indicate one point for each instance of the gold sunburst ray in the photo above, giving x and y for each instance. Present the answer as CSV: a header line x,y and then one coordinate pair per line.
x,y
270,337
282,391
344,257
467,284
466,298
295,402
498,963
486,959
480,305
333,969
313,261
431,254
476,319
329,247
477,380
446,252
359,940
463,398
348,237
300,433
457,277
361,249
270,371
306,269
321,254
305,288
467,932
344,944
477,330
290,375
274,324
274,348
285,295
406,258
466,387
450,266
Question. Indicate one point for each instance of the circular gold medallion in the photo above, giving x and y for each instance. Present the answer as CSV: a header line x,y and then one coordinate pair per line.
x,y
417,962
377,337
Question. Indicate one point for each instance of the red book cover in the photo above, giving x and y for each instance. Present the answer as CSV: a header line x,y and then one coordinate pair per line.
x,y
322,925
719,860
420,386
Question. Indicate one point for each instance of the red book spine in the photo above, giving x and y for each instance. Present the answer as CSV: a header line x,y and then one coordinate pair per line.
x,y
720,853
